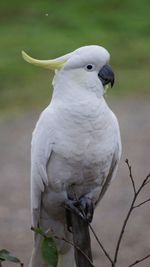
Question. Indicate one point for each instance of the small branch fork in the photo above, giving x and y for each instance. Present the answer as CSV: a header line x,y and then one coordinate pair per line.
x,y
101,245
77,248
133,205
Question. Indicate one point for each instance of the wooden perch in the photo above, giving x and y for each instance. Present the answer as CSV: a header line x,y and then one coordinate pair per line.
x,y
81,239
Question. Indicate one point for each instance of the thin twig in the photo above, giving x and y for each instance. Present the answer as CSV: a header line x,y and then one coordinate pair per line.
x,y
122,231
100,244
141,204
98,240
44,234
147,177
131,176
145,182
140,260
132,207
75,246
127,216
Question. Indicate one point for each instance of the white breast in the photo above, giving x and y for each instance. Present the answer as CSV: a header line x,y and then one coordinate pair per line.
x,y
84,144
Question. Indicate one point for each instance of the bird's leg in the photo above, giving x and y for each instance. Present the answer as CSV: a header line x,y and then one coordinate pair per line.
x,y
72,206
87,208
82,207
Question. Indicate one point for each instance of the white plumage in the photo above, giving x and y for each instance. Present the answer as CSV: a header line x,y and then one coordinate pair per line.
x,y
75,145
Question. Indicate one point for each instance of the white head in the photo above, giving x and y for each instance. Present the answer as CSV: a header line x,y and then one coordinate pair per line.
x,y
87,67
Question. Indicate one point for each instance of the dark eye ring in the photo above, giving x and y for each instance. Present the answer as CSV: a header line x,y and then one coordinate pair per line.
x,y
90,67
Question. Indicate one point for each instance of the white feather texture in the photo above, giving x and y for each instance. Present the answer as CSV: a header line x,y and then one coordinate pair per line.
x,y
75,146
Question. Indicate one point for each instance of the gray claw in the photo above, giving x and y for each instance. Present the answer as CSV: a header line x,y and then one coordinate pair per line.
x,y
83,208
73,205
87,207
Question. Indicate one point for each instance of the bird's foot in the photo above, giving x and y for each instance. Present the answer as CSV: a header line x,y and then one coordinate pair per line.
x,y
87,208
83,208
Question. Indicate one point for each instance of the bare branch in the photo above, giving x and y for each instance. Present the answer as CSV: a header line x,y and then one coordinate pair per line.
x,y
132,207
75,246
127,216
141,204
140,260
131,176
123,230
101,245
41,232
146,181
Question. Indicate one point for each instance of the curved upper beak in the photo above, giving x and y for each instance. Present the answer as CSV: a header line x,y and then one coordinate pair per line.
x,y
52,64
106,75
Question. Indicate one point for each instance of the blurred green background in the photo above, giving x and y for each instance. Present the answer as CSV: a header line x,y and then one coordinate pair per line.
x,y
47,29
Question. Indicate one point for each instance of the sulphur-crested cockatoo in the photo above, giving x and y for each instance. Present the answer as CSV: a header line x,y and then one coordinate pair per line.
x,y
75,145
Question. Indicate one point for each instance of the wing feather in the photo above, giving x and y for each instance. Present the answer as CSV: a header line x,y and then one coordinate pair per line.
x,y
111,174
41,149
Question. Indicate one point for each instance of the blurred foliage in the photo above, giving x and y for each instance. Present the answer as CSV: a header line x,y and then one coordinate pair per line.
x,y
5,255
49,251
48,247
50,28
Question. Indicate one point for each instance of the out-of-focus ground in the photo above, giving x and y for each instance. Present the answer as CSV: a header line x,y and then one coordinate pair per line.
x,y
15,234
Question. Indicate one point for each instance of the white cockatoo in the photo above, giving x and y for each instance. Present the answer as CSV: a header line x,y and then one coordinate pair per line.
x,y
76,145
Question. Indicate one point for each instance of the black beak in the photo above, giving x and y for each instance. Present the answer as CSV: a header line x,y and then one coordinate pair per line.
x,y
106,75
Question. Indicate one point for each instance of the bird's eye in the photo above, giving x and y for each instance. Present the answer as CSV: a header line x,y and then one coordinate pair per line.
x,y
90,67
